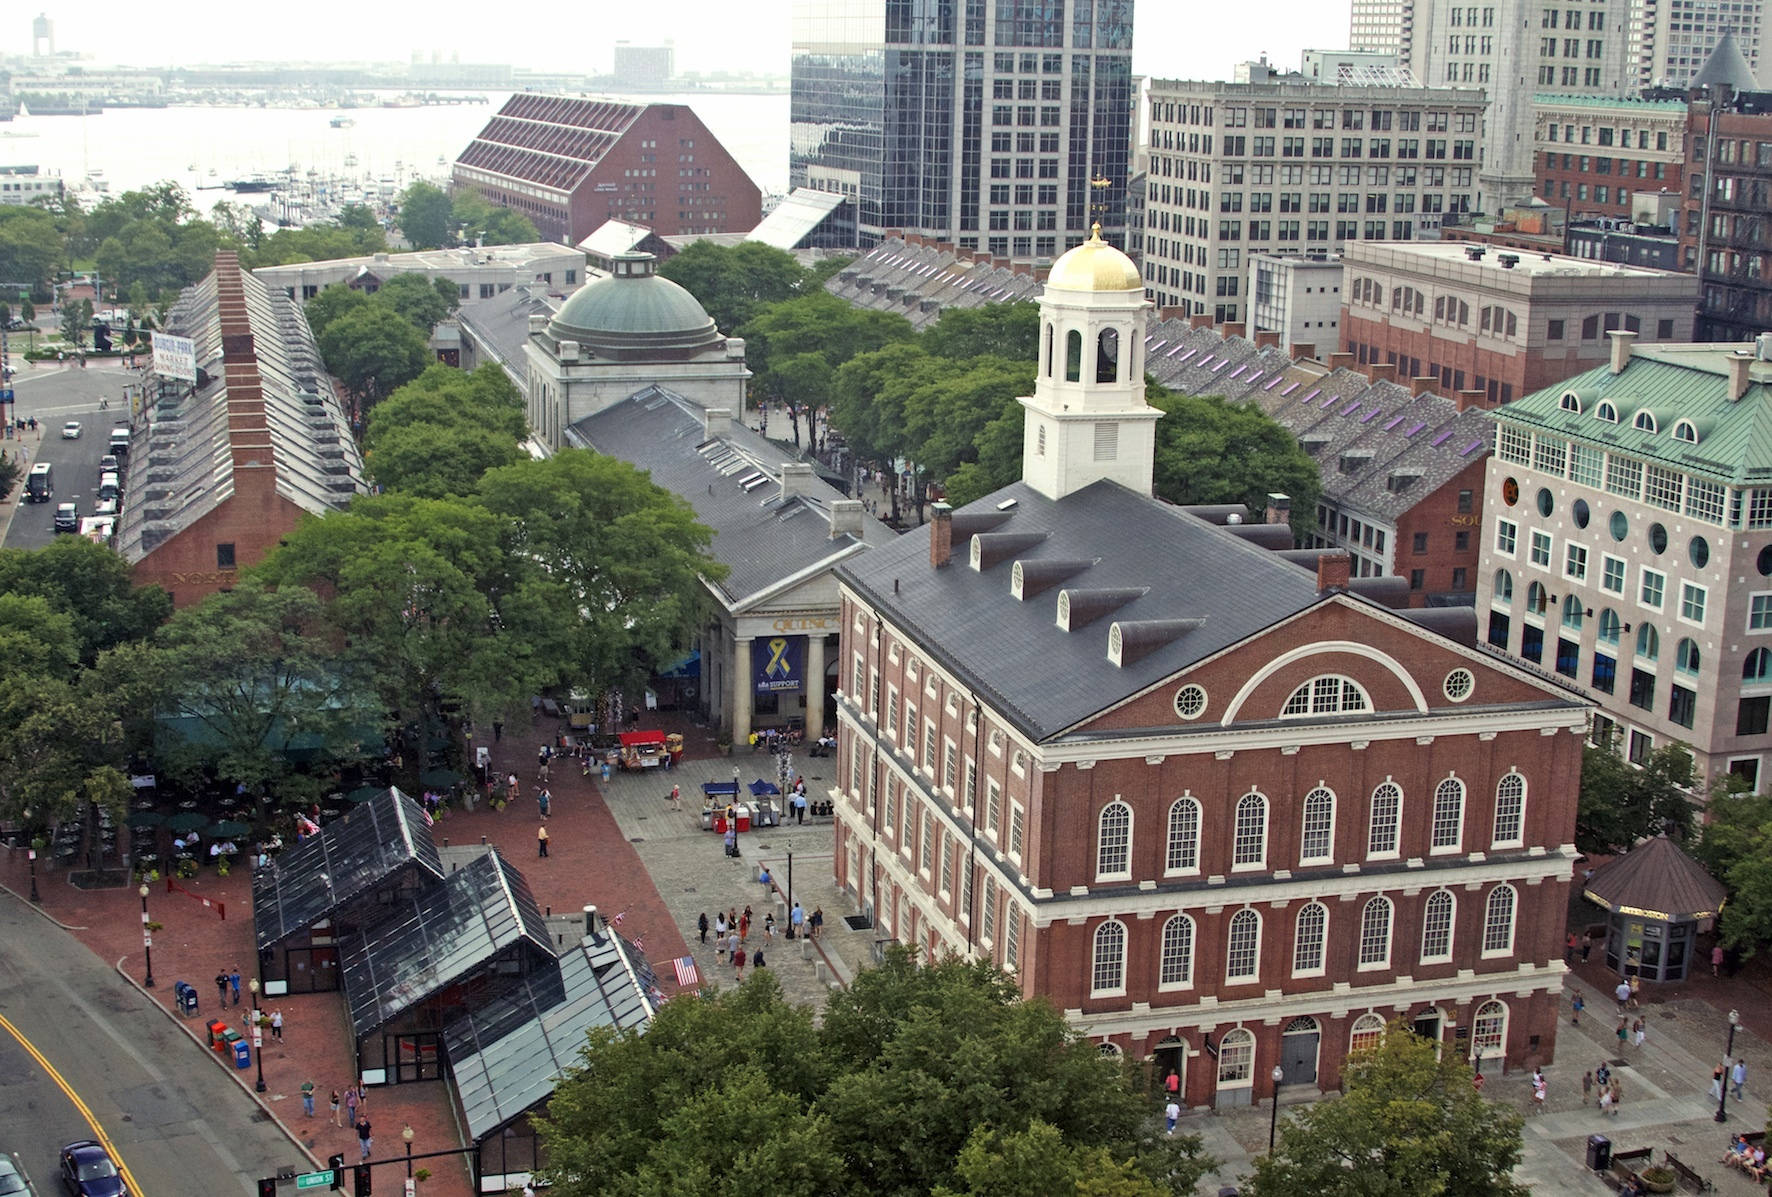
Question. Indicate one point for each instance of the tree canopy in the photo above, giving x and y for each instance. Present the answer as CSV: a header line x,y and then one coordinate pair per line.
x,y
1620,803
733,282
1213,451
439,433
1735,844
738,1091
373,350
426,218
1409,1124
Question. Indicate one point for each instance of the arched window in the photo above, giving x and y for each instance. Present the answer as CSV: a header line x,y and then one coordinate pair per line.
x,y
1606,411
1385,833
1687,659
1375,934
1184,837
1610,627
1107,356
1367,1030
1436,926
1113,844
1489,1030
1236,1059
1448,825
1570,402
1177,966
1645,421
1572,612
1109,972
1249,849
1242,958
1498,921
1648,642
1510,810
1686,430
1108,1050
1758,666
1307,944
1317,843
1504,586
1536,599
1073,356
1329,694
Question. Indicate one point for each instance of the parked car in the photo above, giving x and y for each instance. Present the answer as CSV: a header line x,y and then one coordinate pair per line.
x,y
105,508
107,464
67,518
12,1179
89,1171
71,430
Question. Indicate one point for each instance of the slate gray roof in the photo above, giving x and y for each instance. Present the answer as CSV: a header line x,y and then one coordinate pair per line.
x,y
734,485
501,325
918,281
1015,655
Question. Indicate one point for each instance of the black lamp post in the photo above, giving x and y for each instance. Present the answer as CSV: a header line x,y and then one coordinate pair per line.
x,y
147,938
35,896
1728,1055
258,1055
1273,1123
406,1134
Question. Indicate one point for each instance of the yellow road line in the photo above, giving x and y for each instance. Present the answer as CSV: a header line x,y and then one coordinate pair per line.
x,y
85,1112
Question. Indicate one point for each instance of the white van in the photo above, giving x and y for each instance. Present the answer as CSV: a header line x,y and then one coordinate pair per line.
x,y
40,483
109,487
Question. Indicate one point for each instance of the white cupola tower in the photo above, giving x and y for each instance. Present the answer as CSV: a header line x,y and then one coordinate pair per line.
x,y
1087,419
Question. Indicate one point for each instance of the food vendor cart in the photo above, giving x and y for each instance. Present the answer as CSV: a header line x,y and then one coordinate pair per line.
x,y
642,749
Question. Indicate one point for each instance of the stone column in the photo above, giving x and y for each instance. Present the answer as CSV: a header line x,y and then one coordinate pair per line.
x,y
814,685
741,692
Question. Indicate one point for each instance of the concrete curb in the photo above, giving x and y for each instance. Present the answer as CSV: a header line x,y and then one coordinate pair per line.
x,y
41,913
232,1072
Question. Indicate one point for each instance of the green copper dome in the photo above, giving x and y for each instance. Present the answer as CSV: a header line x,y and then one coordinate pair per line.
x,y
635,314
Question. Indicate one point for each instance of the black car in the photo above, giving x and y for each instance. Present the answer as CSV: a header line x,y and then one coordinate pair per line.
x,y
89,1171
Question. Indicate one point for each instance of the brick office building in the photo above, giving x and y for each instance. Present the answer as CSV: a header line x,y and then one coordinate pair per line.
x,y
1222,810
1728,190
1595,153
1501,322
570,164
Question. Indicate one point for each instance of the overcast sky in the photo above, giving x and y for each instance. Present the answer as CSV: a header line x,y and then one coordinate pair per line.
x,y
1173,38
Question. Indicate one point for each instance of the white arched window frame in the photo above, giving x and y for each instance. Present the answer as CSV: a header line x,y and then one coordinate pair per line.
x,y
1183,854
1366,1032
1176,968
1510,811
1107,975
1329,694
1489,1030
1113,843
1311,933
1316,844
1437,915
1236,1060
1385,835
1249,842
1242,956
1448,821
1375,934
1498,921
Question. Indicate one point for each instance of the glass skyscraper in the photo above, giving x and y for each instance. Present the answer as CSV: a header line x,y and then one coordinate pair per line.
x,y
1000,125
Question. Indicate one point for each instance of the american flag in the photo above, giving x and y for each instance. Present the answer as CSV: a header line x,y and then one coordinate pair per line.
x,y
687,975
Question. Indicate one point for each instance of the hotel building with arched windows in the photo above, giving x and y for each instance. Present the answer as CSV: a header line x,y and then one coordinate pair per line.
x,y
1212,797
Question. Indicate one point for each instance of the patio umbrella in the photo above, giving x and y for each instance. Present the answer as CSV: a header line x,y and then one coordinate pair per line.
x,y
187,820
439,777
365,793
761,787
227,828
142,820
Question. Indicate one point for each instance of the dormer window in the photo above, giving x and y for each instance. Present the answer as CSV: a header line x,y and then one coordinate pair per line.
x,y
1686,431
1571,402
1606,411
1645,422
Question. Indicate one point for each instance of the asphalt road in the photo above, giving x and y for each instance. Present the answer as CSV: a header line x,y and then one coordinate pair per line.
x,y
56,396
181,1125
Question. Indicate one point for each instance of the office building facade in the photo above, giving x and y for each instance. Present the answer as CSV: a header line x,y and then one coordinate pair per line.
x,y
1595,154
985,125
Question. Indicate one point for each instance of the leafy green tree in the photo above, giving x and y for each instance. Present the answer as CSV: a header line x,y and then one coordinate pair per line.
x,y
58,749
360,218
946,1057
1621,804
35,637
1410,1124
31,245
483,222
1211,451
438,434
421,302
735,282
425,215
1005,330
1735,844
76,320
373,351
817,322
331,303
316,243
10,472
91,585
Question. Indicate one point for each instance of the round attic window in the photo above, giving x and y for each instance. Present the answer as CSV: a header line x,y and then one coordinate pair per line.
x,y
1459,684
1190,702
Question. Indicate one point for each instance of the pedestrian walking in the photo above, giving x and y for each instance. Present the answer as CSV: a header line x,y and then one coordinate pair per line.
x,y
719,925
1578,1004
1587,945
676,796
1737,1077
498,730
769,925
334,1107
1539,1090
544,800
799,806
757,959
1171,1115
1639,1031
221,988
512,789
1569,949
731,840
1636,983
1587,1087
744,925
701,925
307,1098
277,1025
351,1104
365,1136
817,921
542,754
732,948
1622,993
796,920
541,840
1718,1076
234,983
1623,1033
1617,1096
1716,961
738,963
1605,1102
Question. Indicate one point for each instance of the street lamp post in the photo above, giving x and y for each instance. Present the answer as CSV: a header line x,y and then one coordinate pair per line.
x,y
258,1038
147,938
1728,1055
406,1134
1273,1123
35,896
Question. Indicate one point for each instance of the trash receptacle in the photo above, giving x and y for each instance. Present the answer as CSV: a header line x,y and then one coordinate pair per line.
x,y
218,1035
1599,1152
242,1054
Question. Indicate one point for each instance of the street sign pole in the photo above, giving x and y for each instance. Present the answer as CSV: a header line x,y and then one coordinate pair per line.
x,y
314,1180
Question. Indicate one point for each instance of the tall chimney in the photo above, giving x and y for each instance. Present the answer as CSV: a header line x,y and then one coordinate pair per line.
x,y
1341,361
846,518
1200,320
1333,572
1466,400
1279,508
941,535
717,422
1233,329
1382,371
1739,362
796,478
1267,339
1621,346
1302,351
1423,384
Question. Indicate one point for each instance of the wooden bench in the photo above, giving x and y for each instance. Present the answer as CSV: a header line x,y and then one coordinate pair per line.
x,y
1687,1177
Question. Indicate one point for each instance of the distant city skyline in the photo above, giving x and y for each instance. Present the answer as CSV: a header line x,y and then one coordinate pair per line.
x,y
1171,40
